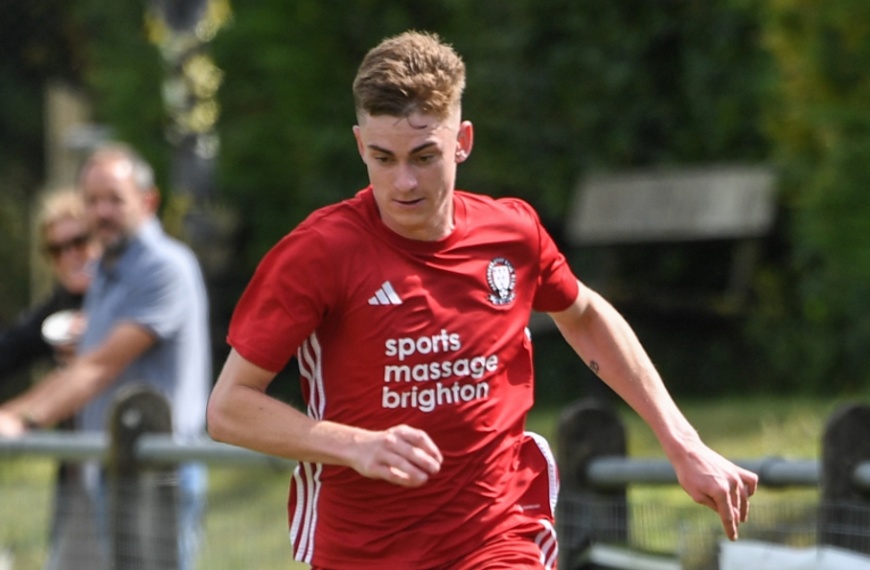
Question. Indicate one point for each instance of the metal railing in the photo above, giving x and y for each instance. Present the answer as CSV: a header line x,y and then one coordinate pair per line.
x,y
605,472
591,460
91,446
596,476
141,513
615,472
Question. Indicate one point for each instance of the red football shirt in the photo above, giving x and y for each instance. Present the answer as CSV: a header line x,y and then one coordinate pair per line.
x,y
389,330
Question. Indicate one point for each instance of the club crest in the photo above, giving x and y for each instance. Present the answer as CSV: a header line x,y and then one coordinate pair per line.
x,y
501,278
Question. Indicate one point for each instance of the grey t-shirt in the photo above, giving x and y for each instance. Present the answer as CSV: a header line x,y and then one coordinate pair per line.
x,y
157,284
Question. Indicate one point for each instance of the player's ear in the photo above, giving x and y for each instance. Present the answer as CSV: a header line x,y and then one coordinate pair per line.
x,y
359,143
464,141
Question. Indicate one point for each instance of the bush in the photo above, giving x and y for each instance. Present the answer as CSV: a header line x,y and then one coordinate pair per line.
x,y
813,326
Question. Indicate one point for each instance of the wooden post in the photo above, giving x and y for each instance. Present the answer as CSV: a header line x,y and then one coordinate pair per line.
x,y
844,513
588,429
66,109
142,497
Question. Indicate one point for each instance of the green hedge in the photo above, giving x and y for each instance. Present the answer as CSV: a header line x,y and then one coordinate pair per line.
x,y
556,90
813,325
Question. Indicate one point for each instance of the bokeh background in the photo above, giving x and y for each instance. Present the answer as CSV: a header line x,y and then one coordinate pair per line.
x,y
245,109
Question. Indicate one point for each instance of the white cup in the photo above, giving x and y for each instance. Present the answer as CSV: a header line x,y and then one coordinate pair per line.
x,y
63,328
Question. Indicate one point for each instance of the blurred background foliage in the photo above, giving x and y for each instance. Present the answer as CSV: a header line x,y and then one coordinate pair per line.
x,y
812,318
556,90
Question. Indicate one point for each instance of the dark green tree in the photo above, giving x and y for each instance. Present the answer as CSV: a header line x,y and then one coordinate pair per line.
x,y
813,323
38,43
556,90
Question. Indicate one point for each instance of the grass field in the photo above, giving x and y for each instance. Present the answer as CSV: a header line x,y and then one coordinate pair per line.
x,y
246,524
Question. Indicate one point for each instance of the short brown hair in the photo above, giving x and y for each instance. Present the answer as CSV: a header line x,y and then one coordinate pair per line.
x,y
408,73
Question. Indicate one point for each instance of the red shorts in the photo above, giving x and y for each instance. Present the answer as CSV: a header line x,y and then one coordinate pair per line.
x,y
529,549
514,550
532,544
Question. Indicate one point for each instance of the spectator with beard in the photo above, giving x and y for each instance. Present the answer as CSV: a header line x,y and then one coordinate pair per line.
x,y
147,322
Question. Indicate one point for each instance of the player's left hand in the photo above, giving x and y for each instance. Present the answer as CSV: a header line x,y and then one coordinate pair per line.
x,y
712,480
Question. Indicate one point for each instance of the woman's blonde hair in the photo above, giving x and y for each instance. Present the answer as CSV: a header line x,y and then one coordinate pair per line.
x,y
57,205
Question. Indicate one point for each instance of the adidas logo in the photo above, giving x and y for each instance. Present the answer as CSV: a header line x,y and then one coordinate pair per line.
x,y
385,295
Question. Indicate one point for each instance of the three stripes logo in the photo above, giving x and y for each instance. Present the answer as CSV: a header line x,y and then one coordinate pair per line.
x,y
385,295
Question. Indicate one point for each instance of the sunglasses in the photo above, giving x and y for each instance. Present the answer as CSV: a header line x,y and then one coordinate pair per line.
x,y
78,243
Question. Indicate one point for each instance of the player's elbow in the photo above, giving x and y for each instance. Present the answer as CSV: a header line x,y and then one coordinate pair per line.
x,y
216,421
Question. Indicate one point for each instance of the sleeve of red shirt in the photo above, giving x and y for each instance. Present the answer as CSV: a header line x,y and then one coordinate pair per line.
x,y
284,301
557,285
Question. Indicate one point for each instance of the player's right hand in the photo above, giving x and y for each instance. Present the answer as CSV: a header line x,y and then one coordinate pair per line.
x,y
401,455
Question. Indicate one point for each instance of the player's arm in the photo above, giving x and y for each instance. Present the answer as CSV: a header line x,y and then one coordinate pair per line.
x,y
241,413
605,341
65,390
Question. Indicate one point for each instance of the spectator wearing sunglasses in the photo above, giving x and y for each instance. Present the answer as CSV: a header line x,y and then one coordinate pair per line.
x,y
70,253
147,323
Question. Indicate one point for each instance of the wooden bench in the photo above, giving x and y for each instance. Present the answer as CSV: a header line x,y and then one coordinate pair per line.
x,y
731,206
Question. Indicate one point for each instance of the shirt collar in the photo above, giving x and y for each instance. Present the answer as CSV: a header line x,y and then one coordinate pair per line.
x,y
148,231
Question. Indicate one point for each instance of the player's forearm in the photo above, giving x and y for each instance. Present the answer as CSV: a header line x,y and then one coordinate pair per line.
x,y
246,417
608,345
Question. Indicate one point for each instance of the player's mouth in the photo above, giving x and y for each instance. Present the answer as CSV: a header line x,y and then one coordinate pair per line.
x,y
409,203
